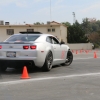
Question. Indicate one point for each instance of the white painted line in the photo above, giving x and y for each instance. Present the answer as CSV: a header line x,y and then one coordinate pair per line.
x,y
85,58
48,78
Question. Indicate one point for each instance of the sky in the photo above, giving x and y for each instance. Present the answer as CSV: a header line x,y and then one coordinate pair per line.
x,y
31,11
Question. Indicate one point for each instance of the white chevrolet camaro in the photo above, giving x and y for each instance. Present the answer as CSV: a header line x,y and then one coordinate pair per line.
x,y
34,49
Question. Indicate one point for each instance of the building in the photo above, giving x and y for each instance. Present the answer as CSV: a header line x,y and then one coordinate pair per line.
x,y
53,28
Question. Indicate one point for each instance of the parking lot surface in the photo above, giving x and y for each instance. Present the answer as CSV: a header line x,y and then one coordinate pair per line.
x,y
79,81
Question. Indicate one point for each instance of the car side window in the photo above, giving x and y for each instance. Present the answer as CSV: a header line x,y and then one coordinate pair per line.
x,y
55,41
48,39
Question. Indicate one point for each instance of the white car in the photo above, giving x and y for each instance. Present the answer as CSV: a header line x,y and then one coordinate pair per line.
x,y
33,49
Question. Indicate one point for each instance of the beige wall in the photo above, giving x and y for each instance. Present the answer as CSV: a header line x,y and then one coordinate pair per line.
x,y
18,28
85,46
57,31
3,34
63,33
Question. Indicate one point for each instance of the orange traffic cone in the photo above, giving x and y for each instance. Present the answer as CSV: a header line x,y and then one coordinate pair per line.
x,y
86,51
76,52
72,51
25,73
95,55
80,51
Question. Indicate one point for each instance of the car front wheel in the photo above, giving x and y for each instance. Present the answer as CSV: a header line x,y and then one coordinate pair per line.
x,y
69,58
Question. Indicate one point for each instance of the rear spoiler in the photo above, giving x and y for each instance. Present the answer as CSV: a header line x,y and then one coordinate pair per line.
x,y
30,32
15,43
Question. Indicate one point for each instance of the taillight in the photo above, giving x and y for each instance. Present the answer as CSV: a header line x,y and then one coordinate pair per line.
x,y
0,47
25,47
33,46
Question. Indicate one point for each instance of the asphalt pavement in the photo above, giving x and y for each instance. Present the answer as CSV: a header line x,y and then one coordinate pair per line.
x,y
79,81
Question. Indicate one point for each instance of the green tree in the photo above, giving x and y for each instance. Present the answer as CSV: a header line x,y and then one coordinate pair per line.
x,y
90,26
86,26
92,30
37,23
76,34
66,23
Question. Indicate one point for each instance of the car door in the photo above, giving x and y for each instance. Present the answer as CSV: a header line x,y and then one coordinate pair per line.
x,y
57,49
63,52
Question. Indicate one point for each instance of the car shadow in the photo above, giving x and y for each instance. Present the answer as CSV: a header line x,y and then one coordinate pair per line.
x,y
14,71
10,71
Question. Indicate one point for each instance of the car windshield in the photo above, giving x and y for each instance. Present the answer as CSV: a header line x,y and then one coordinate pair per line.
x,y
23,38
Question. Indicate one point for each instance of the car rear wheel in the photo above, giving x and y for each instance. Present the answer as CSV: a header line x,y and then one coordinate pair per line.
x,y
3,67
48,62
69,58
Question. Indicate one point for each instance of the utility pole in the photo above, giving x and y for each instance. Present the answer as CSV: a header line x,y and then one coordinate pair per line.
x,y
50,12
74,19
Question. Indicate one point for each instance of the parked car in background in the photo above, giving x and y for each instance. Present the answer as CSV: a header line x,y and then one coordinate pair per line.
x,y
93,46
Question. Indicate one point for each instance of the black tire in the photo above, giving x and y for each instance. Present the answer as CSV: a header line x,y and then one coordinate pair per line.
x,y
3,66
69,59
48,62
3,69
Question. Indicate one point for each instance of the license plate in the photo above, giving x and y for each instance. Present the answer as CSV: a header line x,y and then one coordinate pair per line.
x,y
11,54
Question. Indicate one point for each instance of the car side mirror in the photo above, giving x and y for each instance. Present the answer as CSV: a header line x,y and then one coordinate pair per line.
x,y
62,43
